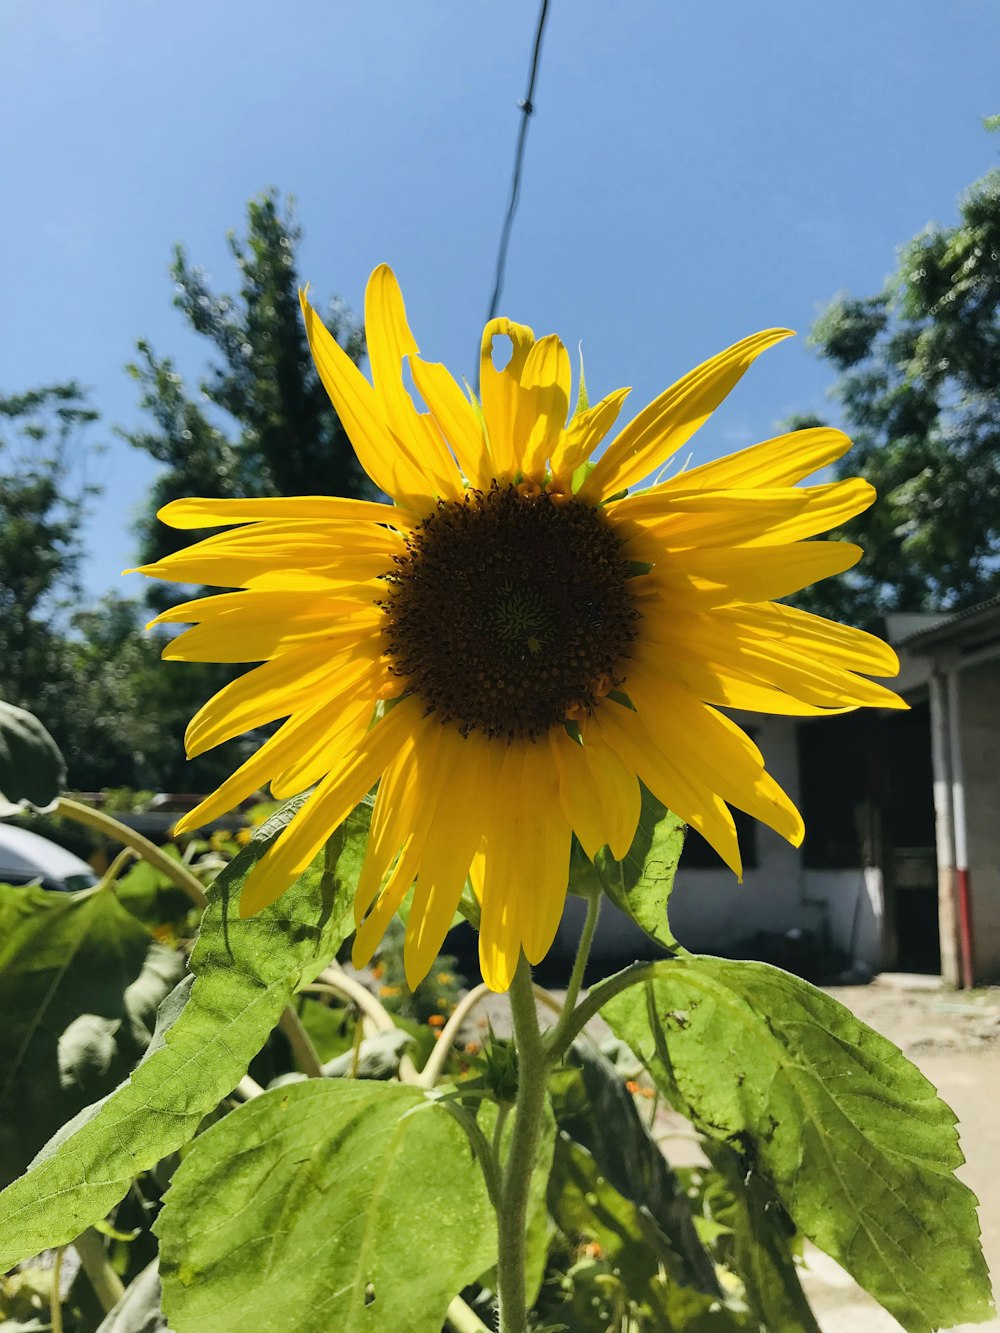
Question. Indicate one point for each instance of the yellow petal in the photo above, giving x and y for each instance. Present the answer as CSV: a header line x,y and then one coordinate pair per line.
x,y
327,808
194,513
499,391
697,804
718,576
456,418
768,661
711,749
585,432
399,804
449,846
671,419
252,635
232,559
302,678
389,901
815,636
542,405
253,773
746,517
390,463
781,461
389,342
339,729
527,864
599,795
732,683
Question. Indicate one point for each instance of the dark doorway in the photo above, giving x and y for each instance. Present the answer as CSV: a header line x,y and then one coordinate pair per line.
x,y
868,800
909,856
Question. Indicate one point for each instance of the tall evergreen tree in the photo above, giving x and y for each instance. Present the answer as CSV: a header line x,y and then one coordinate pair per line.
x,y
274,431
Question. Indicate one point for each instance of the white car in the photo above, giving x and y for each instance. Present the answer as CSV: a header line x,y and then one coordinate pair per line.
x,y
26,858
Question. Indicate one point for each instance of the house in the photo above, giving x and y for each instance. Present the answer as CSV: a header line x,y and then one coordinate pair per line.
x,y
900,868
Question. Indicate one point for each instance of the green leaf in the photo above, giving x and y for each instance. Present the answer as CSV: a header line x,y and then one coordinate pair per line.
x,y
31,768
334,1205
851,1136
80,982
757,1242
641,884
594,1108
245,972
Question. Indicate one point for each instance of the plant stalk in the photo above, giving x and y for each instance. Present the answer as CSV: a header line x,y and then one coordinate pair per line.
x,y
102,1277
554,1038
512,1215
113,828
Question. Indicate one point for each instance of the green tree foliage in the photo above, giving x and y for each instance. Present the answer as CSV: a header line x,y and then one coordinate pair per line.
x,y
268,427
919,384
42,496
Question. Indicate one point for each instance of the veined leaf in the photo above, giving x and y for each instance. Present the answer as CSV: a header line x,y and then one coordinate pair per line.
x,y
335,1205
851,1136
641,884
245,972
80,983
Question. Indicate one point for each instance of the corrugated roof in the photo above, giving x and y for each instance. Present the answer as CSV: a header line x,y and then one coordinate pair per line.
x,y
960,625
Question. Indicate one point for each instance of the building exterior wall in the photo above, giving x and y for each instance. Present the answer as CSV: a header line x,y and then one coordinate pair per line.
x,y
979,713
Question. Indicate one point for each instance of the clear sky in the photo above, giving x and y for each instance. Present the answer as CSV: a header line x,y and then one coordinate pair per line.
x,y
695,171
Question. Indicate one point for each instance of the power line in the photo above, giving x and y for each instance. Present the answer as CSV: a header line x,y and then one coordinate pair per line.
x,y
527,108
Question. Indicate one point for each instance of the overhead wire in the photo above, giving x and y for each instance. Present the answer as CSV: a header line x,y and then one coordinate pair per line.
x,y
527,106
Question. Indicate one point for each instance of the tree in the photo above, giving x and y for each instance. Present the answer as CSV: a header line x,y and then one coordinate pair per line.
x,y
919,384
273,431
42,496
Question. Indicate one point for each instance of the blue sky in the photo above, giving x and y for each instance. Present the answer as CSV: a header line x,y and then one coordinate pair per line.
x,y
695,171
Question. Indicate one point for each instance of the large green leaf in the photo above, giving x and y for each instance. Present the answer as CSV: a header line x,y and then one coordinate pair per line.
x,y
850,1135
595,1108
80,983
31,767
245,973
641,883
325,1205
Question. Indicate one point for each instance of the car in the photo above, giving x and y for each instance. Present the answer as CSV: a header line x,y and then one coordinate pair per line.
x,y
28,858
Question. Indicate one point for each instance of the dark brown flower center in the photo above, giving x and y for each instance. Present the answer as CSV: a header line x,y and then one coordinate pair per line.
x,y
510,612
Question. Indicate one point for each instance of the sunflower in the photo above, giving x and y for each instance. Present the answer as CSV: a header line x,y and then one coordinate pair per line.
x,y
515,643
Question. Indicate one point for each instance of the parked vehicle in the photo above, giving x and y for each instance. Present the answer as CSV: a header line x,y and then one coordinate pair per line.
x,y
27,858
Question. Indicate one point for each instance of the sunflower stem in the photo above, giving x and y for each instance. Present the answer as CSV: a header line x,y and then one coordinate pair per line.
x,y
597,998
298,1039
532,1078
94,1261
554,1039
